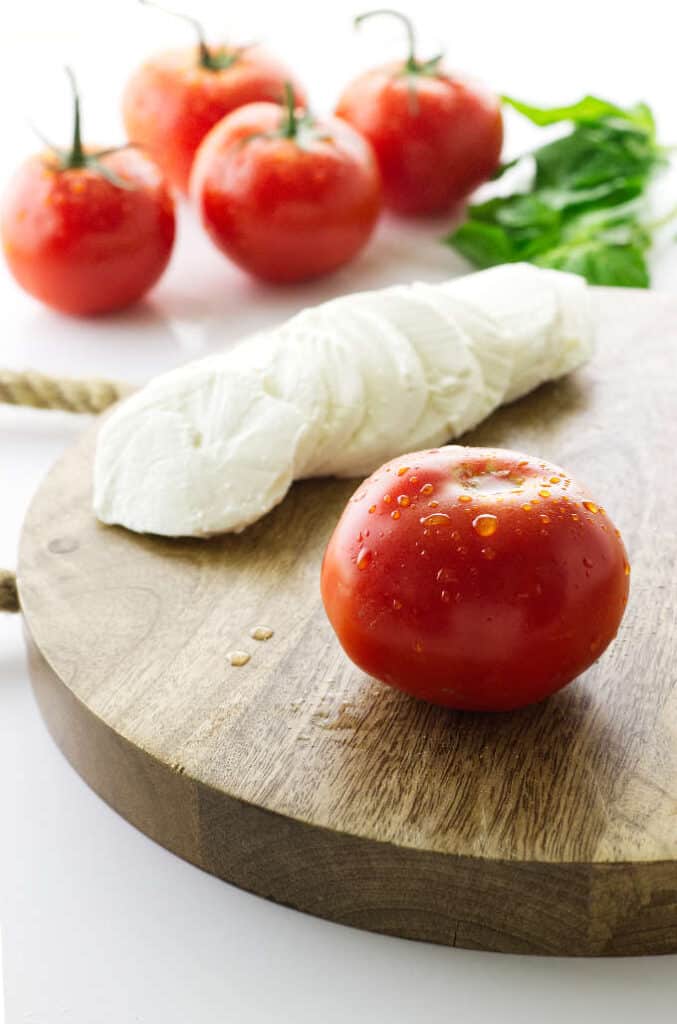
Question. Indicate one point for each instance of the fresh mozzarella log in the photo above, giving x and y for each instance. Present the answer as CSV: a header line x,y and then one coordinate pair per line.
x,y
453,377
336,390
186,445
548,327
395,389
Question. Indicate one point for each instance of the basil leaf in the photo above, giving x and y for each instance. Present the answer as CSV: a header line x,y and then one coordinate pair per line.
x,y
590,108
484,245
614,265
617,190
583,209
593,154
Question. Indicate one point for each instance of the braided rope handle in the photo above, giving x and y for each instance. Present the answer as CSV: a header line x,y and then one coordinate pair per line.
x,y
9,598
90,395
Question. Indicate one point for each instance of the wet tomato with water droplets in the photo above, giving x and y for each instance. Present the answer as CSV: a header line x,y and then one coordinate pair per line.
x,y
495,598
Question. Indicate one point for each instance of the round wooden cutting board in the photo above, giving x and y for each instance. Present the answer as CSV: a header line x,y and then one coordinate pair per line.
x,y
548,830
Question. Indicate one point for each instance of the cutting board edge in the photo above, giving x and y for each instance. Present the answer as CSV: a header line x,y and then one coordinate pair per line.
x,y
447,899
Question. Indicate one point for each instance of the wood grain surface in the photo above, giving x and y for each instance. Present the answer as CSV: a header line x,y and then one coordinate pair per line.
x,y
552,829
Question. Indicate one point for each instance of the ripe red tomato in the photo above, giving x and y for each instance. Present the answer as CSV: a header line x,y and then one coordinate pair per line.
x,y
285,196
474,578
173,100
87,232
436,137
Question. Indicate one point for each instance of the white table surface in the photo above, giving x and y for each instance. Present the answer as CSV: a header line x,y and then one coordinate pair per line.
x,y
100,925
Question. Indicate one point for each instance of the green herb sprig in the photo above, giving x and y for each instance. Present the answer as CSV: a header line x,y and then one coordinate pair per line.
x,y
585,207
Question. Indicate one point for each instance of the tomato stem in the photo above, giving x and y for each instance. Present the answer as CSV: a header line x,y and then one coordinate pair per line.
x,y
212,61
411,62
77,156
290,123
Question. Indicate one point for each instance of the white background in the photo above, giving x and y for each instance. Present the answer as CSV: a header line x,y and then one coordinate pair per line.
x,y
99,924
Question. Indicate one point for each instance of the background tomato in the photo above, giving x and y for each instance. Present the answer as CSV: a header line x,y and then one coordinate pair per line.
x,y
474,578
285,196
436,137
87,231
173,100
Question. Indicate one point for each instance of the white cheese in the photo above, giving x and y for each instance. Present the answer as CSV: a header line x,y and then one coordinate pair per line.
x,y
452,373
286,366
395,389
337,390
208,453
544,315
311,339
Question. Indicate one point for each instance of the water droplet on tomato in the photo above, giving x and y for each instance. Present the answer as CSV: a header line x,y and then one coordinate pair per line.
x,y
435,519
387,499
544,492
404,500
489,553
427,489
395,514
364,558
372,508
465,498
591,507
396,604
445,596
402,470
486,524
